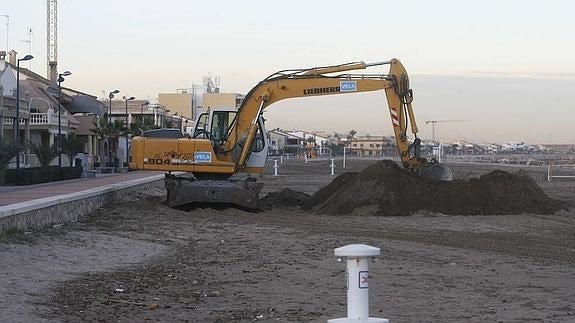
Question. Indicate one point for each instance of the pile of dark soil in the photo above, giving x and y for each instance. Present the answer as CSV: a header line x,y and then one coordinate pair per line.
x,y
283,198
386,189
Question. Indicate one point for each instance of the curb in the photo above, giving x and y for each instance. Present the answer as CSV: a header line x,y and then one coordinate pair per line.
x,y
68,207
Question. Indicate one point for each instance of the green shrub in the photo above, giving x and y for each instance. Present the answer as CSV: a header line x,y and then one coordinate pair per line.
x,y
7,152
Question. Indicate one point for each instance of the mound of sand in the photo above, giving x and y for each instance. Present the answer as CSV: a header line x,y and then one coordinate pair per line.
x,y
386,189
285,197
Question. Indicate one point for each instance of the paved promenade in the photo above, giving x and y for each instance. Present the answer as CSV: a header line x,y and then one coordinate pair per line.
x,y
18,194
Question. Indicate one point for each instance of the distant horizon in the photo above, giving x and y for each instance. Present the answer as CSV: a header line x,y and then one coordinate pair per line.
x,y
425,140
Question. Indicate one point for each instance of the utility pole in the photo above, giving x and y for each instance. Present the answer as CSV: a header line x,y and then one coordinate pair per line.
x,y
29,42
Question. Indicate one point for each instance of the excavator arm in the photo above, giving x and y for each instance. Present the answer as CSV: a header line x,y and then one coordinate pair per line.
x,y
318,82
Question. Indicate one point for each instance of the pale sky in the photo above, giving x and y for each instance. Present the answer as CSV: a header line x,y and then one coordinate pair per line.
x,y
507,67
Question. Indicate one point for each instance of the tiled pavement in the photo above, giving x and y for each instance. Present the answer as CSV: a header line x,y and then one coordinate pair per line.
x,y
18,194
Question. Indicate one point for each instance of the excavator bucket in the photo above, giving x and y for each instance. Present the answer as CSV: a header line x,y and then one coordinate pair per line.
x,y
187,192
436,172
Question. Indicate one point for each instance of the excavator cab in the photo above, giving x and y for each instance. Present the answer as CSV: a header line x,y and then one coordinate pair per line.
x,y
216,124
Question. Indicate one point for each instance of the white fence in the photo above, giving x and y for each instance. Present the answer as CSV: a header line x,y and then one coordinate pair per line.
x,y
550,176
46,118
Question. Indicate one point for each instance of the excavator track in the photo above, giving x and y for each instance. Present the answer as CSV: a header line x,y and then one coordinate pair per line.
x,y
185,192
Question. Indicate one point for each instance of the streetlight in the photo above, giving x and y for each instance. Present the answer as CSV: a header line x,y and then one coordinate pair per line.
x,y
110,96
25,58
127,125
60,80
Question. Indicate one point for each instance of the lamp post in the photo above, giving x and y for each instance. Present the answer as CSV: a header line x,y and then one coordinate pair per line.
x,y
17,122
127,126
110,96
142,110
59,142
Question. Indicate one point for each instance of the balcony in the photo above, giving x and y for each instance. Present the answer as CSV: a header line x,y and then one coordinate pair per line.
x,y
49,118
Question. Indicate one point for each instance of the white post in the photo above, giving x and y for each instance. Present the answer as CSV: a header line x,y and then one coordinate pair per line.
x,y
357,256
332,167
281,159
276,167
305,157
344,156
440,153
549,172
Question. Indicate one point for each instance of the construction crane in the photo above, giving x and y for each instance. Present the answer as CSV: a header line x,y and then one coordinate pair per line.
x,y
29,42
433,122
52,33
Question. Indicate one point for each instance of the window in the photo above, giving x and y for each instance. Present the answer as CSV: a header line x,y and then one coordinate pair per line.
x,y
259,142
201,127
221,122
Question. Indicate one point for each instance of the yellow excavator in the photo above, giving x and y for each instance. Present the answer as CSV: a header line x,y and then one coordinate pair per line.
x,y
229,141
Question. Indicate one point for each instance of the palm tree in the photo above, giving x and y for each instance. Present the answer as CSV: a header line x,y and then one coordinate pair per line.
x,y
137,127
112,131
7,152
350,137
72,146
45,153
101,131
168,123
351,134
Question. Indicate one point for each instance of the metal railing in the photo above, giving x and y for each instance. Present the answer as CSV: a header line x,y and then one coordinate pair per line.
x,y
550,166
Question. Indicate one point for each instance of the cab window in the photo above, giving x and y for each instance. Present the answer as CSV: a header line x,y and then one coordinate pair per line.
x,y
259,141
201,130
221,122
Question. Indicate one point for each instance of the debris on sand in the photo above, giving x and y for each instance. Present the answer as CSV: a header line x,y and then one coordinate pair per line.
x,y
386,189
283,198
